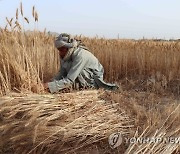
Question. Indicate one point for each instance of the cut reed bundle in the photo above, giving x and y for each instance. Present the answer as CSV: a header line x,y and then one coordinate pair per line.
x,y
31,123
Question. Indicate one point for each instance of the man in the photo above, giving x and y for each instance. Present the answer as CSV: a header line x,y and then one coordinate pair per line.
x,y
78,66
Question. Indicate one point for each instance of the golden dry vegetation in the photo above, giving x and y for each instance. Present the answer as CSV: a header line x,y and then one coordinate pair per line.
x,y
33,121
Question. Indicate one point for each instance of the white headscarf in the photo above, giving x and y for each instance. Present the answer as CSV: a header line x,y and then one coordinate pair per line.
x,y
66,40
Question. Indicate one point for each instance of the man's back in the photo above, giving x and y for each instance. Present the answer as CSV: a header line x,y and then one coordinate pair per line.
x,y
88,60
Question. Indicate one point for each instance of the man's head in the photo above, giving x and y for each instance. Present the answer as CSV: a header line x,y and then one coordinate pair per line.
x,y
63,43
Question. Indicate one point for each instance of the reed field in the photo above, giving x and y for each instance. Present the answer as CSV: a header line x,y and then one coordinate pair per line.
x,y
34,121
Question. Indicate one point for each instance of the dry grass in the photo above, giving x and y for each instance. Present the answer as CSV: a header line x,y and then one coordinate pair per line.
x,y
144,64
154,117
154,66
25,60
149,74
59,123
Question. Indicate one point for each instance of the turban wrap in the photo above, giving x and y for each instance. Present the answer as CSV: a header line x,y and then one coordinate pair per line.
x,y
65,40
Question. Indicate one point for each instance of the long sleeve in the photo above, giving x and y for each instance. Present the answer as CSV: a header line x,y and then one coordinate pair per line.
x,y
78,65
60,75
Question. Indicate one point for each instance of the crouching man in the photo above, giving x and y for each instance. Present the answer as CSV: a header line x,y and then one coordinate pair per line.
x,y
78,66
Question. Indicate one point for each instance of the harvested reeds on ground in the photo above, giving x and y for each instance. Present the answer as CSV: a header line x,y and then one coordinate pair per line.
x,y
62,123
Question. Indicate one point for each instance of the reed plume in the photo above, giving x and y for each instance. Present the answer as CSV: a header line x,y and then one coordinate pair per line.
x,y
21,8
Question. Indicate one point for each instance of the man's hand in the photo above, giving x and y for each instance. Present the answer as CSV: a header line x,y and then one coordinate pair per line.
x,y
46,87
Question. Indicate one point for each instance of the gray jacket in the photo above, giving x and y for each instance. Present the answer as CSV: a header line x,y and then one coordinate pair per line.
x,y
82,67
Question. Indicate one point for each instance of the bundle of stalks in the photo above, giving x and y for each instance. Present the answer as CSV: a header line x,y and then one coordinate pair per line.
x,y
62,123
